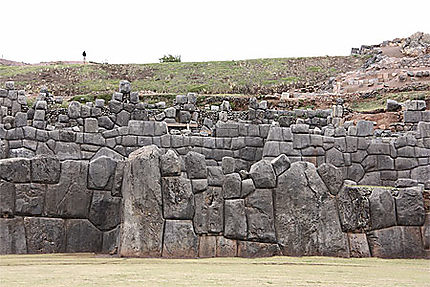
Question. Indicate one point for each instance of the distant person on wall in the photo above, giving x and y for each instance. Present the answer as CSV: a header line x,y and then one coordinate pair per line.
x,y
84,54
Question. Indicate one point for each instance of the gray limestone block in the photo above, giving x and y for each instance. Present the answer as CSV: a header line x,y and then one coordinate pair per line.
x,y
30,199
396,242
70,197
382,208
215,175
355,172
423,129
421,173
180,240
199,185
260,216
232,186
228,165
300,129
96,112
45,169
45,235
145,140
170,164
39,115
15,170
20,119
354,208
271,148
406,182
275,134
248,187
364,128
91,125
287,148
262,174
85,111
117,96
301,141
249,249
142,226
123,118
74,110
410,206
406,151
335,157
207,246
195,165
105,210
358,246
235,225
101,173
148,128
100,103
280,164
384,162
178,199
82,236
181,99
12,236
160,128
115,106
226,247
94,139
7,202
209,211
332,177
129,141
378,148
402,163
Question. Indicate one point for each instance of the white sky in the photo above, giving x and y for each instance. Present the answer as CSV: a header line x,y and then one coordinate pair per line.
x,y
142,31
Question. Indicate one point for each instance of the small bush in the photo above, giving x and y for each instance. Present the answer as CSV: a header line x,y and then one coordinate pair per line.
x,y
170,58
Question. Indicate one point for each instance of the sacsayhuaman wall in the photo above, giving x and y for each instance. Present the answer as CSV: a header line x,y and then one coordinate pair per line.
x,y
143,180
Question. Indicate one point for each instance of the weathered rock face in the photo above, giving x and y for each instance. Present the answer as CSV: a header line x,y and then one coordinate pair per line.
x,y
259,214
82,236
396,242
354,208
382,208
7,202
52,230
180,241
105,210
12,236
332,177
306,219
263,175
410,206
142,226
178,198
101,173
235,219
70,197
209,213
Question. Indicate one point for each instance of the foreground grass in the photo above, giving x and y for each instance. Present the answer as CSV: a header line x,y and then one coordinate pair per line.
x,y
89,270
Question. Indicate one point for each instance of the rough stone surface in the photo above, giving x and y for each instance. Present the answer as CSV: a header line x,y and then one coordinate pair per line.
x,y
30,199
410,206
358,245
354,208
7,196
170,164
142,227
82,236
207,246
209,213
195,165
280,164
251,249
225,247
262,174
12,236
232,186
259,214
69,198
235,225
180,241
15,169
304,211
382,208
52,230
178,198
332,177
396,242
104,210
45,169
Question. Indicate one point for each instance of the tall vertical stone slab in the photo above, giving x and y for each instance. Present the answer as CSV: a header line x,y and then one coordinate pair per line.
x,y
12,236
142,226
306,218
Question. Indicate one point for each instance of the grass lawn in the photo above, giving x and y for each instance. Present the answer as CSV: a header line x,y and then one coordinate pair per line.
x,y
90,270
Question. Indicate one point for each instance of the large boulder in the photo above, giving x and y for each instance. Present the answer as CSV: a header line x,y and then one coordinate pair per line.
x,y
354,208
259,214
195,165
410,206
382,208
209,213
82,236
235,225
7,202
142,213
45,235
178,198
101,173
306,218
262,174
30,199
45,169
180,241
396,242
332,177
105,210
70,198
170,164
15,169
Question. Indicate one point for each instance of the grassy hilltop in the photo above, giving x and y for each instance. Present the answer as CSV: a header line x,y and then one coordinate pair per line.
x,y
250,77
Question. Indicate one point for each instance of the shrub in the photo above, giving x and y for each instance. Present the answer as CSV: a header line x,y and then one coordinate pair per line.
x,y
170,58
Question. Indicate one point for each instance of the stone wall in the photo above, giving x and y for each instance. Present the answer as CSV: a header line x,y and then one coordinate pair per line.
x,y
157,204
232,184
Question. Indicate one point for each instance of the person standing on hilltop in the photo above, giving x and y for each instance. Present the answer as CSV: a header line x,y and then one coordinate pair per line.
x,y
84,54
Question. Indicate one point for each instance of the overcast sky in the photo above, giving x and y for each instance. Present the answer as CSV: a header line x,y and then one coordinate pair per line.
x,y
143,31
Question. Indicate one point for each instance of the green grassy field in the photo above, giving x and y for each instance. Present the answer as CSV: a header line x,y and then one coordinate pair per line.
x,y
89,270
256,76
